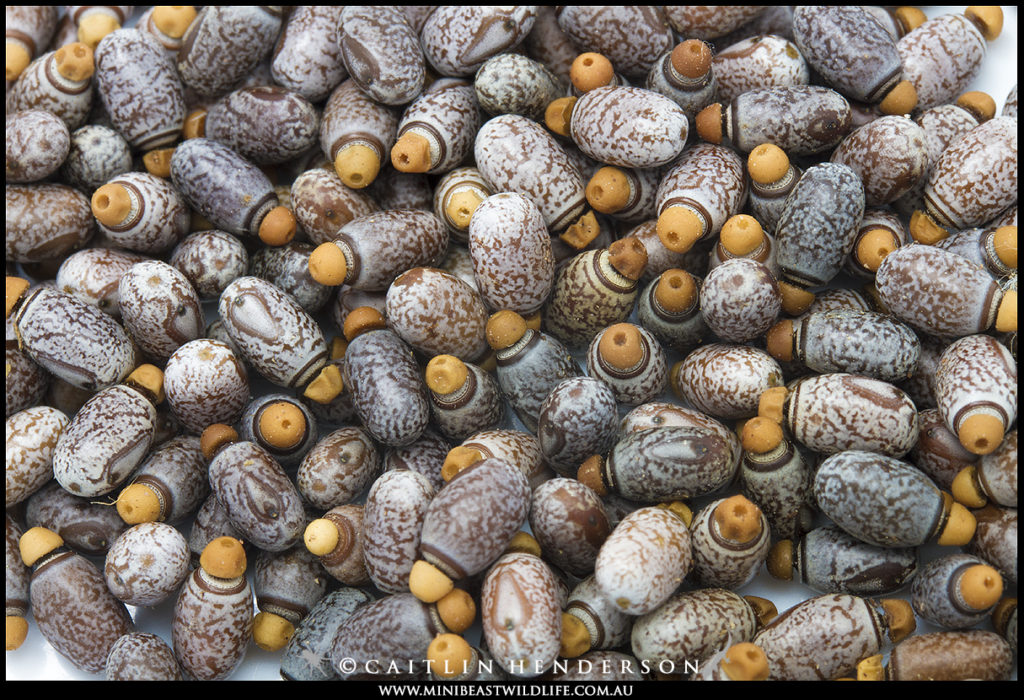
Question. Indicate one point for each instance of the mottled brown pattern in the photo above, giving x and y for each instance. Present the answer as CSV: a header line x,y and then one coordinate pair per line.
x,y
338,468
710,21
210,260
831,561
609,627
280,340
740,300
719,562
857,342
75,612
644,560
232,193
577,419
31,25
25,382
424,456
976,372
511,252
638,384
307,56
889,154
146,564
520,615
726,381
708,178
849,49
691,626
224,43
691,95
938,452
287,268
935,593
141,656
799,119
975,178
350,116
382,53
589,295
995,540
952,656
139,89
530,369
289,583
385,244
478,406
570,523
819,224
515,154
86,525
205,383
159,308
878,499
941,58
393,520
32,435
40,86
323,204
821,638
104,442
212,625
93,275
266,124
37,143
766,60
472,519
518,448
437,313
396,629
511,83
632,37
45,221
387,385
97,154
629,127
830,413
457,39
177,471
997,472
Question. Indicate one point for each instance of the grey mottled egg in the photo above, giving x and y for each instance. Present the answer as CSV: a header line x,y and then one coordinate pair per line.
x,y
37,143
890,154
141,656
159,308
512,83
32,436
578,418
210,260
570,524
266,124
146,564
765,60
740,300
392,522
725,380
307,55
831,561
458,39
338,468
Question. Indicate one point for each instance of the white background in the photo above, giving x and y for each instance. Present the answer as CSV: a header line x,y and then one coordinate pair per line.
x,y
36,660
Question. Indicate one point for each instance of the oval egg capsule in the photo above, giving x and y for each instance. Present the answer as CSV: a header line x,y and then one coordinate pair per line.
x,y
97,154
857,342
509,244
995,539
956,591
631,361
86,526
464,398
307,55
31,236
266,124
740,300
775,476
146,564
223,44
905,163
259,498
515,154
213,179
437,129
282,425
37,143
32,436
393,520
861,414
856,490
389,393
824,637
644,559
456,197
853,53
799,119
356,134
691,626
141,656
159,308
570,524
995,249
93,275
512,83
141,212
605,625
210,260
725,381
730,539
287,585
338,468
337,538
669,307
258,317
993,477
71,605
205,383
606,124
437,313
60,82
382,53
457,40
939,75
307,654
764,60
520,614
131,69
631,37
938,452
686,76
216,600
578,418
829,560
323,204
772,179
948,655
976,391
169,486
109,436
